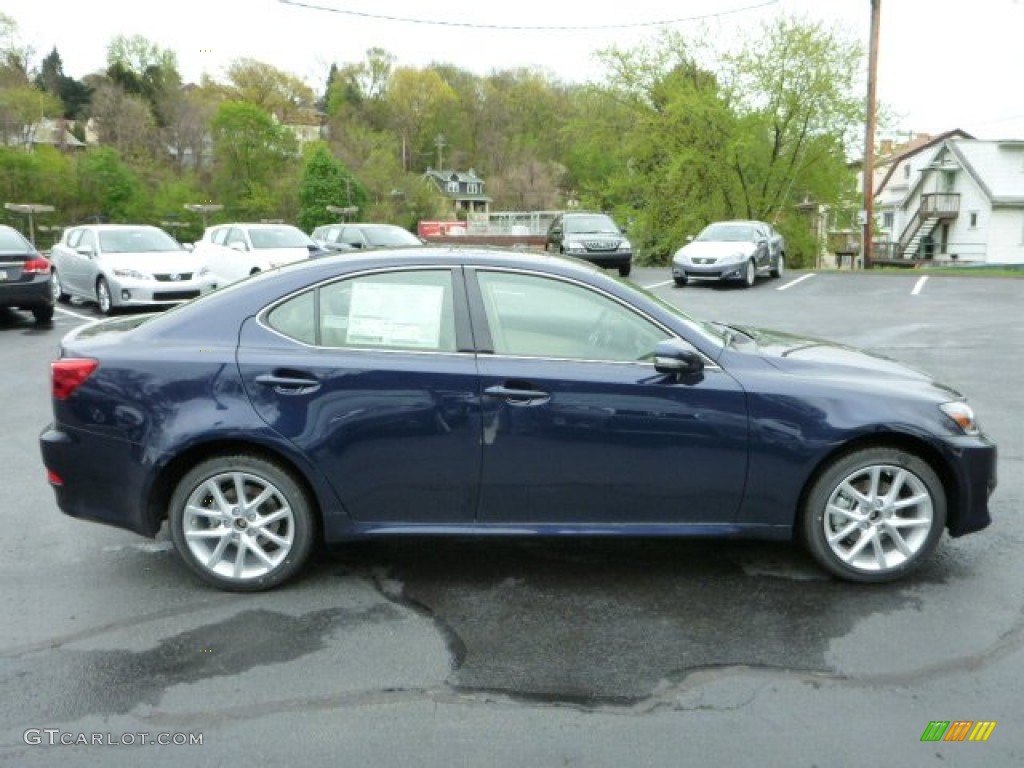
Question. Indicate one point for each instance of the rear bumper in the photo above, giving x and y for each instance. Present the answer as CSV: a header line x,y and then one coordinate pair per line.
x,y
34,293
84,491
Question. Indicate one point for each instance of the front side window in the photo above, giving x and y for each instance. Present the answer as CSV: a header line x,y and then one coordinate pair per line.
x,y
409,310
533,316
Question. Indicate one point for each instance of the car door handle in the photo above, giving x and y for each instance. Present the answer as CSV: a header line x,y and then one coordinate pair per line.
x,y
518,396
289,385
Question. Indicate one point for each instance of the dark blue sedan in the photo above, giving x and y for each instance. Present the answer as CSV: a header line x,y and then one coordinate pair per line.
x,y
482,392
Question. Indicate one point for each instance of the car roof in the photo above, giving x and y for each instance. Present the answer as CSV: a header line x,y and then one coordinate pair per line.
x,y
253,225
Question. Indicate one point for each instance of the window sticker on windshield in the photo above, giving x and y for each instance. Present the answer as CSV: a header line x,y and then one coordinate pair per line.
x,y
390,315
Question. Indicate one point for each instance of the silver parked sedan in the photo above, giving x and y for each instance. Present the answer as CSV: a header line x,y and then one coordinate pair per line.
x,y
731,250
121,265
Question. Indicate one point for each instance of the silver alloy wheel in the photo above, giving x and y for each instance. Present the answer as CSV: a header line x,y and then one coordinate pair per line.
x,y
238,526
878,518
56,288
103,296
750,274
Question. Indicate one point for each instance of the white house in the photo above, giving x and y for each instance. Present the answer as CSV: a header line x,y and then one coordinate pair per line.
x,y
961,199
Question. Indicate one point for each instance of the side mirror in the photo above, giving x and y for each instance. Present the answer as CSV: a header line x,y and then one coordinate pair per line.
x,y
85,250
689,238
189,246
237,245
673,356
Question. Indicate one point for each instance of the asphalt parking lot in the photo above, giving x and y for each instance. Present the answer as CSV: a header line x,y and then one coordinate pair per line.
x,y
607,653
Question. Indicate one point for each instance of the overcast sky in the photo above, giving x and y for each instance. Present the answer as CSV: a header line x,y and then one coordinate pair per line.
x,y
943,64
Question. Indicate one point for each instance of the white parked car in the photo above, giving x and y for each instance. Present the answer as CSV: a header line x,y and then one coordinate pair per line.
x,y
124,265
234,251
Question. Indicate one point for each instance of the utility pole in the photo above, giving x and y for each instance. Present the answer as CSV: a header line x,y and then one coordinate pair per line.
x,y
440,143
869,138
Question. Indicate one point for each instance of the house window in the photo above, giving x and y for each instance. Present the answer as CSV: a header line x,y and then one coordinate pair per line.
x,y
473,189
887,220
974,220
453,186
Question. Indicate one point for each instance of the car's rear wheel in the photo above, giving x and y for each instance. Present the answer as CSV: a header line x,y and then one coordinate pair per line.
x,y
242,523
874,515
106,303
43,314
749,274
57,289
780,266
625,269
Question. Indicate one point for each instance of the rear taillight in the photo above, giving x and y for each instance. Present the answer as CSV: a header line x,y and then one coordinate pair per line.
x,y
38,266
68,374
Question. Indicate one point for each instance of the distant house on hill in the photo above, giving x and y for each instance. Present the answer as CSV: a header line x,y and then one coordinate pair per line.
x,y
464,192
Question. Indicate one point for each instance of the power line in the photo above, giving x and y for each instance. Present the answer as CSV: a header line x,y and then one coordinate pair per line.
x,y
525,27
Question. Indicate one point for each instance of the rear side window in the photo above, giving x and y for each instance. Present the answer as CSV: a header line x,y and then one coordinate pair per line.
x,y
411,310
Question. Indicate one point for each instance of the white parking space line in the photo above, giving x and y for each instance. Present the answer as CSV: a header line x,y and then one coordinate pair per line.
x,y
656,285
919,285
798,280
74,314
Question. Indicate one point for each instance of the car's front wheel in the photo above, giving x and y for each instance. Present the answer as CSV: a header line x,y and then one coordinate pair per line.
x,y
874,515
749,274
57,289
106,303
680,280
242,523
625,269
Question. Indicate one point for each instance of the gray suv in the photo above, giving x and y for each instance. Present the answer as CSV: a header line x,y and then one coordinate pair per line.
x,y
594,237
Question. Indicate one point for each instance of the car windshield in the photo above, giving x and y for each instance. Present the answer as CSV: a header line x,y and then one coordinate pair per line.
x,y
390,236
137,241
12,242
279,237
728,233
585,225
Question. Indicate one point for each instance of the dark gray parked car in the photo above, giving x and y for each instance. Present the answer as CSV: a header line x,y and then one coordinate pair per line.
x,y
594,237
24,276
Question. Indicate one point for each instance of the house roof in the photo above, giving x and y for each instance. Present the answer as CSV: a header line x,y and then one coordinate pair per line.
x,y
996,166
919,143
451,175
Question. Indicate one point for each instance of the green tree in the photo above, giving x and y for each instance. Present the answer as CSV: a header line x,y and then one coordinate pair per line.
x,y
253,156
74,95
325,181
273,90
108,187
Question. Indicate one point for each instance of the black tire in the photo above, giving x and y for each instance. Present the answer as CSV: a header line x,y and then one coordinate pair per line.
x,y
625,269
57,289
103,297
749,274
780,266
43,314
882,542
222,548
680,281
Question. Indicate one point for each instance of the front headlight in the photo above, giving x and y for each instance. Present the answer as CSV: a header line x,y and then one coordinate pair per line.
x,y
574,247
960,412
681,257
625,246
204,272
733,258
134,274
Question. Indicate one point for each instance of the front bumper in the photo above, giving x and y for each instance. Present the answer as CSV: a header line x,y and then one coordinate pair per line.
x,y
973,461
134,293
605,259
732,271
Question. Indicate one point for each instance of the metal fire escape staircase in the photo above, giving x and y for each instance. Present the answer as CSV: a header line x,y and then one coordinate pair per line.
x,y
934,209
